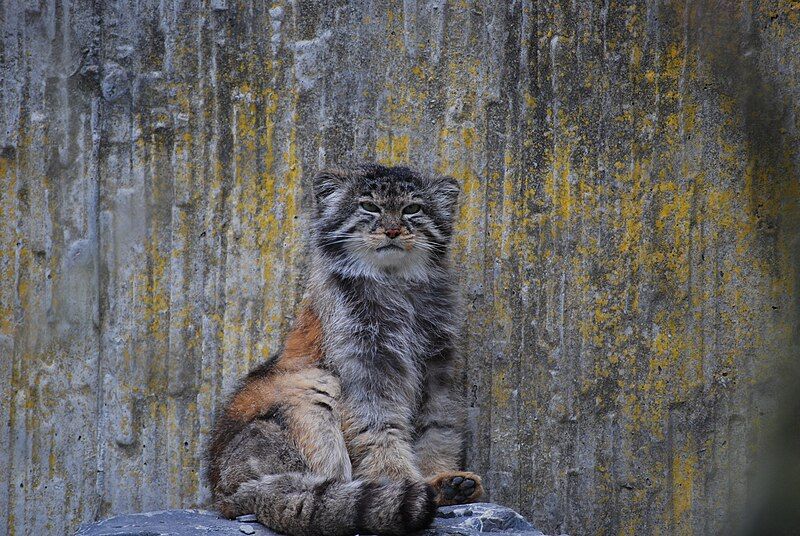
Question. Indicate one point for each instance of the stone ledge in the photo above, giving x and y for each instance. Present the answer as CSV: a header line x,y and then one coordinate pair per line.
x,y
463,520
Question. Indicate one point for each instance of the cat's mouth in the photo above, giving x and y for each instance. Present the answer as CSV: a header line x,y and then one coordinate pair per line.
x,y
389,247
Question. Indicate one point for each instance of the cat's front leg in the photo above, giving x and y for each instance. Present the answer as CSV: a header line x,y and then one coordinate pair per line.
x,y
438,449
381,448
441,419
439,444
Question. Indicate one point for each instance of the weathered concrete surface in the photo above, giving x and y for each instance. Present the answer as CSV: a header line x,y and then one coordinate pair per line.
x,y
468,520
627,247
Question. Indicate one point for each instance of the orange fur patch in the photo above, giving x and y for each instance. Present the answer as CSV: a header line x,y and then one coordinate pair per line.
x,y
304,343
302,350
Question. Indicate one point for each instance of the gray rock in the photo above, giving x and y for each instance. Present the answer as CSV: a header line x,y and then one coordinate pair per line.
x,y
169,523
115,82
479,518
463,520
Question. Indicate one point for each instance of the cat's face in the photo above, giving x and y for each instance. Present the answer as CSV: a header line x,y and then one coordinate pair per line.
x,y
374,219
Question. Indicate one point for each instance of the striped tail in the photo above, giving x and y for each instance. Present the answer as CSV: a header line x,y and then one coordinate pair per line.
x,y
305,505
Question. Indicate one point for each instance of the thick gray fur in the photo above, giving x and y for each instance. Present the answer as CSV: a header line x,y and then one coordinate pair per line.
x,y
390,324
381,285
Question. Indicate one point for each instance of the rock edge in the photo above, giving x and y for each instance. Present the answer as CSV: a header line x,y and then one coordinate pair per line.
x,y
462,520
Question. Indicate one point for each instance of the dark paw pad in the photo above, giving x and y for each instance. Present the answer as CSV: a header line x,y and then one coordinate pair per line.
x,y
458,489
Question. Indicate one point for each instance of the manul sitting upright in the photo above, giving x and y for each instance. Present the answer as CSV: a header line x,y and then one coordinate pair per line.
x,y
356,425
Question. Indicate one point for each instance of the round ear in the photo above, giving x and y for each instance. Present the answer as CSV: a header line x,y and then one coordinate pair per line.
x,y
326,182
447,189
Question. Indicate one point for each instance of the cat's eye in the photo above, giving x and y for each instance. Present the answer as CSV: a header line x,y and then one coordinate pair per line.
x,y
369,207
413,208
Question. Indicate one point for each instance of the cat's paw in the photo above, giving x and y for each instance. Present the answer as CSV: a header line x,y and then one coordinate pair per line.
x,y
456,488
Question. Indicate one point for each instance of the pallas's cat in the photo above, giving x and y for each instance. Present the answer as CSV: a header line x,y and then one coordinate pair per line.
x,y
356,425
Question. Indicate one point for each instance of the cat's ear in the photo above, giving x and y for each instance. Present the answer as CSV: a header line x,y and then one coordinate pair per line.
x,y
448,189
326,182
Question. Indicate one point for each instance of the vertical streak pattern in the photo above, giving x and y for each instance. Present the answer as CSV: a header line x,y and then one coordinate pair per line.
x,y
627,246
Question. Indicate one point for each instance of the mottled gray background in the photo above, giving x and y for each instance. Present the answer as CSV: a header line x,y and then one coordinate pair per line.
x,y
627,249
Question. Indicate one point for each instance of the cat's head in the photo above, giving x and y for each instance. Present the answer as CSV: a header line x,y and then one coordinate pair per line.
x,y
377,220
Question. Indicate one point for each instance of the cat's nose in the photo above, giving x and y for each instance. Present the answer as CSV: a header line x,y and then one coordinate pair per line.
x,y
393,232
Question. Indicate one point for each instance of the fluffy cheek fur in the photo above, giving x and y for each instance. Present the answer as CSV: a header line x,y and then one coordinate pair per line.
x,y
411,257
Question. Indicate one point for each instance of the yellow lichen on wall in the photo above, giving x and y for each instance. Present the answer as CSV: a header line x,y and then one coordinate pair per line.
x,y
626,242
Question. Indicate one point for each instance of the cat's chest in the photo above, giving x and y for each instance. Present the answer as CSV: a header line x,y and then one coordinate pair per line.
x,y
379,345
405,324
386,323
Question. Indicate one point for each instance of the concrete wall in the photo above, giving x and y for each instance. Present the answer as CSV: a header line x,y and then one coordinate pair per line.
x,y
627,246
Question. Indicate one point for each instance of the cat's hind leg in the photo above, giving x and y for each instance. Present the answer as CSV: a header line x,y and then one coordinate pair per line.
x,y
263,472
305,403
314,422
